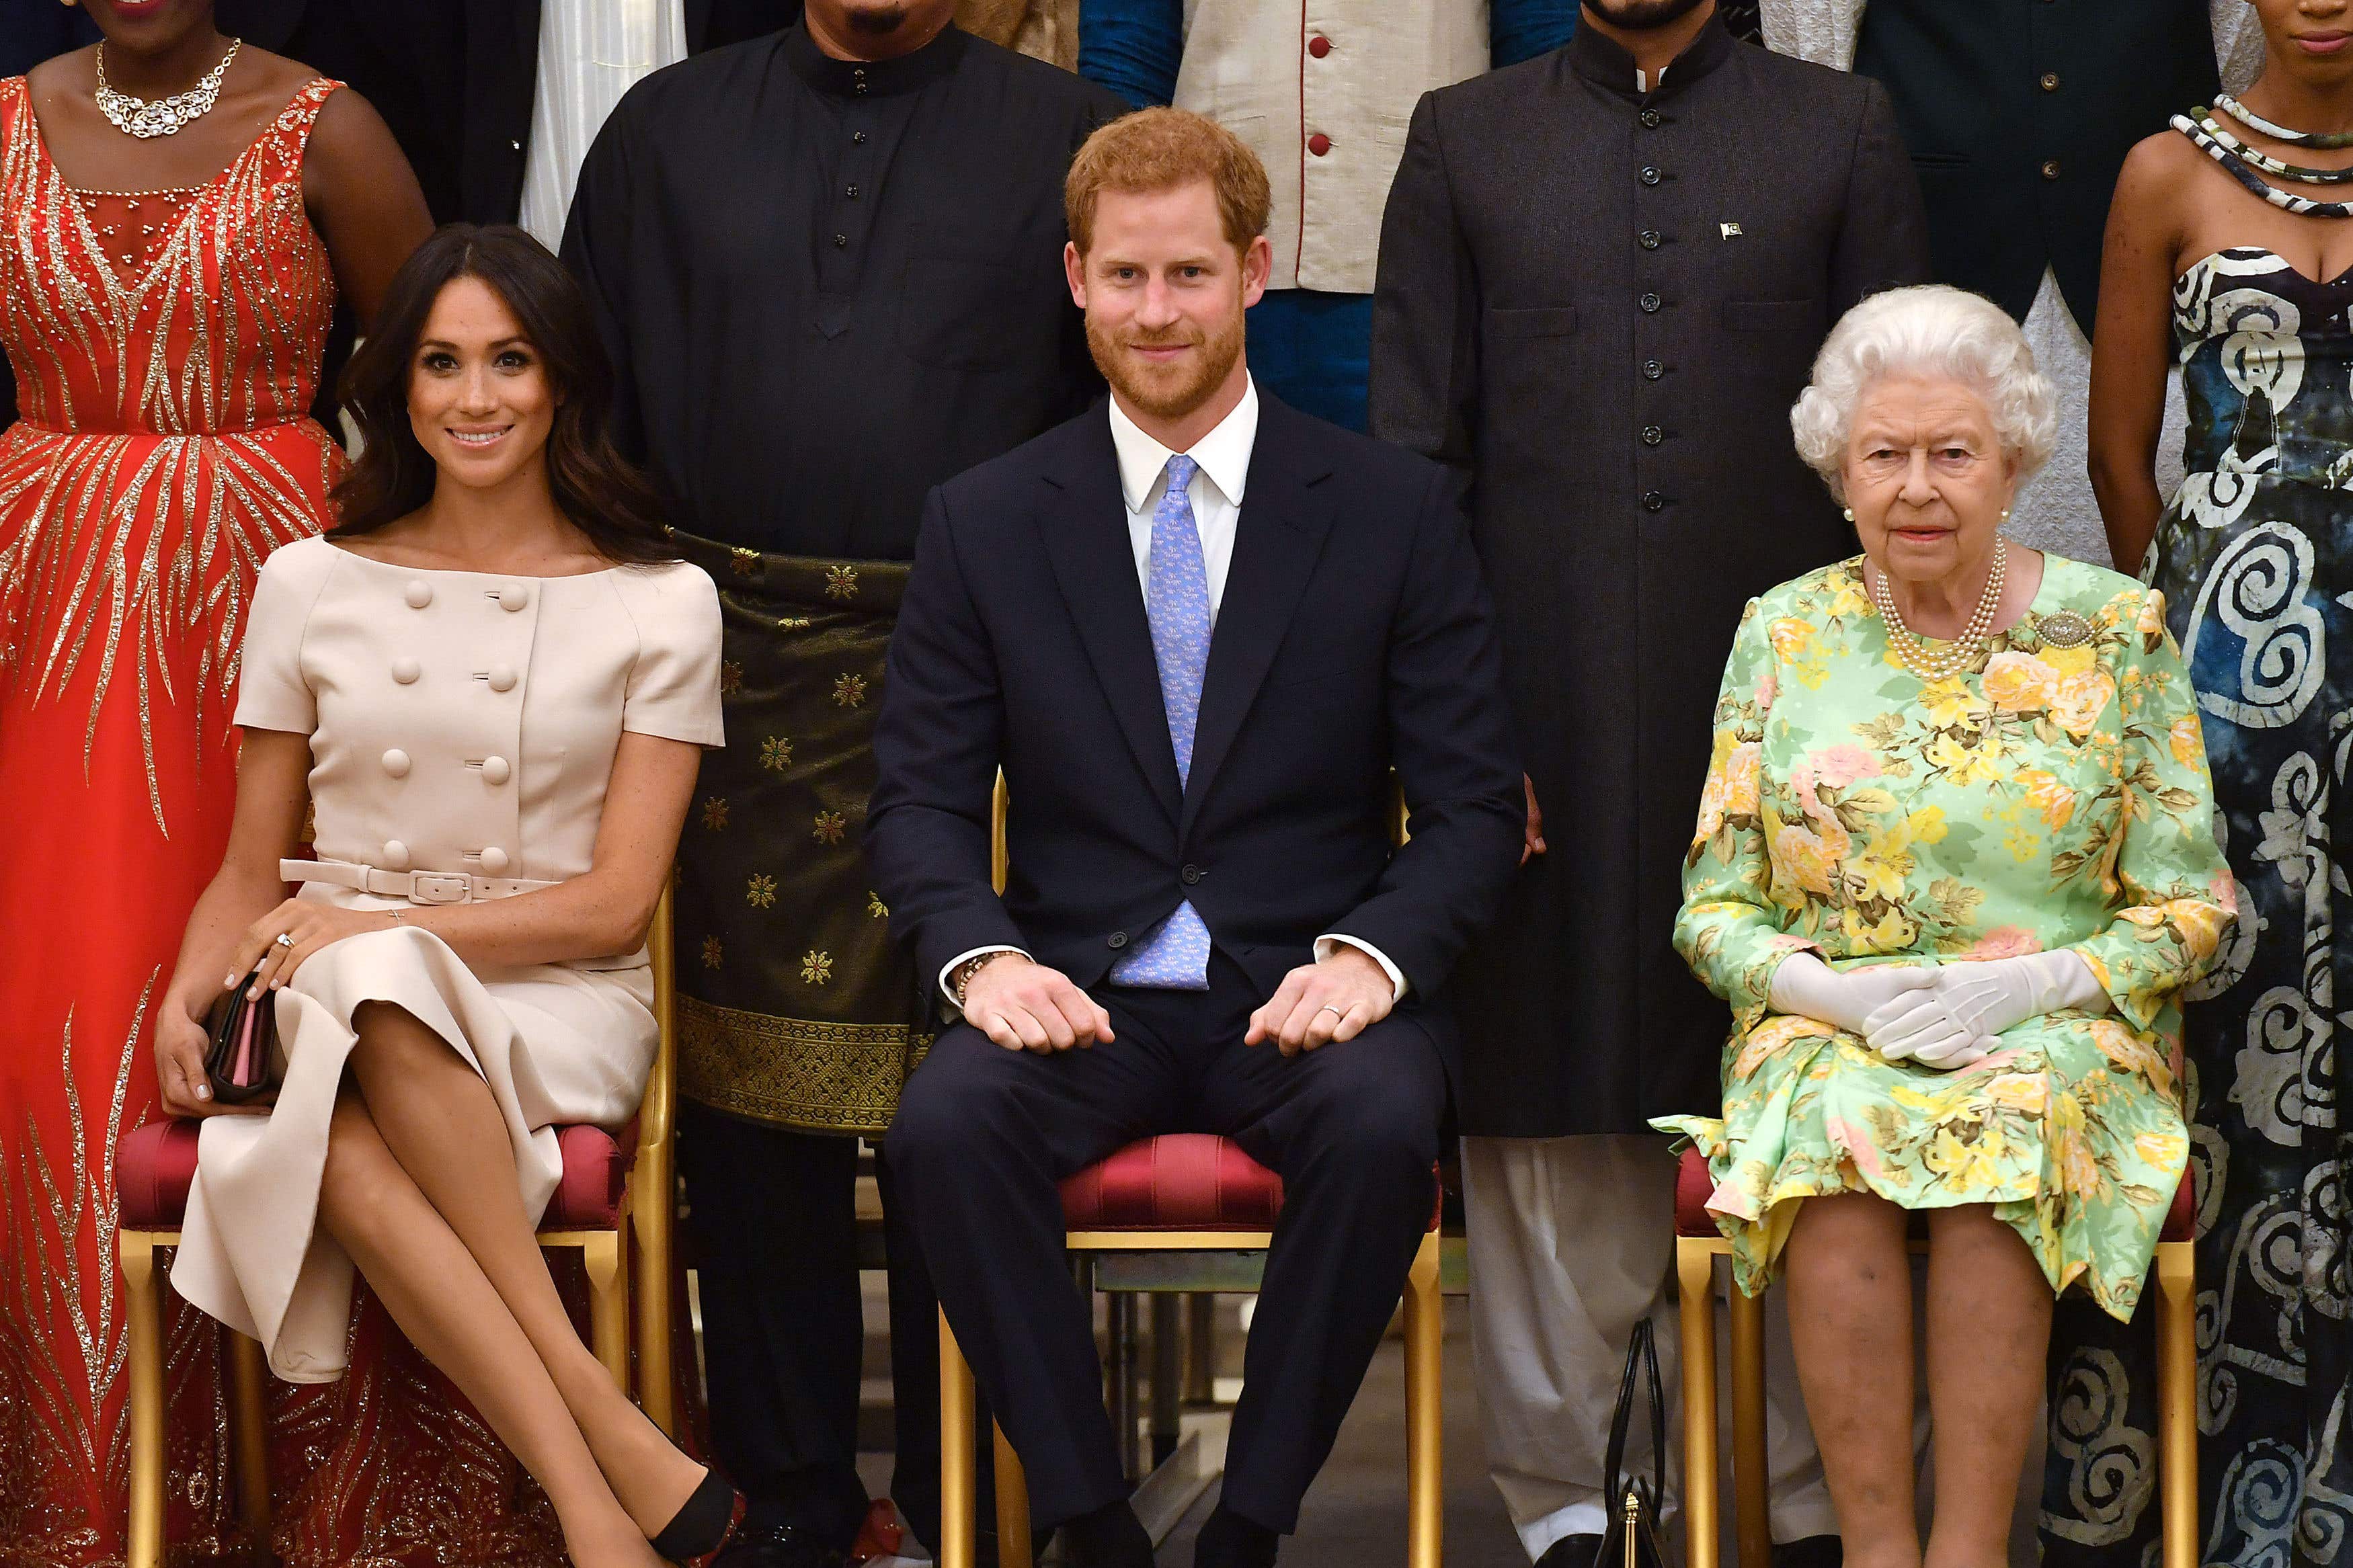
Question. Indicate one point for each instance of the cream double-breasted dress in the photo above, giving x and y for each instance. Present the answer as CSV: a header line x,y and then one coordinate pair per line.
x,y
463,733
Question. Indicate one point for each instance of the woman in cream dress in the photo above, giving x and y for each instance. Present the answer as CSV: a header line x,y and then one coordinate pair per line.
x,y
493,690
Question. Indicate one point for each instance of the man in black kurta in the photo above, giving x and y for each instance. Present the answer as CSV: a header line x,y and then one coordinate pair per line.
x,y
1602,287
828,283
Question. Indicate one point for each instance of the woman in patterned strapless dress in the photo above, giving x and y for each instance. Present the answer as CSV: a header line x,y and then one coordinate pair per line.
x,y
2228,249
163,298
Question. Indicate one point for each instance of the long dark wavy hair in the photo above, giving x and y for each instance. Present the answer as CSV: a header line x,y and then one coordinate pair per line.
x,y
599,489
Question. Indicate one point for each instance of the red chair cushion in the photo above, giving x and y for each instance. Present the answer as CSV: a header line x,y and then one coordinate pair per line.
x,y
1693,1185
155,1166
1183,1181
1178,1181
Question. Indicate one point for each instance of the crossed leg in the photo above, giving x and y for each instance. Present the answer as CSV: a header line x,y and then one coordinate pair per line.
x,y
420,1190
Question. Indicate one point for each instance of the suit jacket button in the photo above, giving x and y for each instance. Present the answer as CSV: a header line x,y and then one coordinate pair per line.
x,y
1650,303
419,593
1191,874
1650,119
1650,238
1652,435
1653,501
1651,175
1117,939
406,670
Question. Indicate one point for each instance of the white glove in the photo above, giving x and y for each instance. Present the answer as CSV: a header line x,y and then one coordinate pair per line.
x,y
1958,1021
1806,987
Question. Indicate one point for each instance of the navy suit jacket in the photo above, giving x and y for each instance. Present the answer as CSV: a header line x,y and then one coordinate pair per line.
x,y
1354,638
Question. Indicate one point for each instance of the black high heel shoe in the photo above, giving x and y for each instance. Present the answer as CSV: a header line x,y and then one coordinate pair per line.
x,y
702,1529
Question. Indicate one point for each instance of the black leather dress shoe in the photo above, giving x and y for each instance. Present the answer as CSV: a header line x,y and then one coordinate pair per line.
x,y
1570,1551
1811,1551
779,1546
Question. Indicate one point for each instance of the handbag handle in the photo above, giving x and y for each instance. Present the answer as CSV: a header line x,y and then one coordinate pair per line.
x,y
1642,1367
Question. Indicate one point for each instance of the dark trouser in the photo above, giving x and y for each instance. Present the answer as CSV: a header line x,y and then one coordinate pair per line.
x,y
775,1243
984,1134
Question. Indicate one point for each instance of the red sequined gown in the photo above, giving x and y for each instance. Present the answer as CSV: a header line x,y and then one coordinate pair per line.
x,y
166,348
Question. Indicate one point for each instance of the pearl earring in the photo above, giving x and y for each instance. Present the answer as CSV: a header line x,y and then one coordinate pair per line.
x,y
1850,515
2005,515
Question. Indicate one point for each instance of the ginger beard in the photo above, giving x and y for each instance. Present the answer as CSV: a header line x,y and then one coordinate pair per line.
x,y
1173,388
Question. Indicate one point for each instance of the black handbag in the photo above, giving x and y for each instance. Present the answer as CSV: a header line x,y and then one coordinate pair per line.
x,y
1632,1538
242,1062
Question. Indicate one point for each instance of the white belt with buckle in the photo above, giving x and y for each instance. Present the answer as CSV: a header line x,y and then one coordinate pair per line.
x,y
417,887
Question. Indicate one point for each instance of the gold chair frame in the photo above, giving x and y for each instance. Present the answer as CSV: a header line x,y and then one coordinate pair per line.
x,y
604,1255
2175,1301
1425,1327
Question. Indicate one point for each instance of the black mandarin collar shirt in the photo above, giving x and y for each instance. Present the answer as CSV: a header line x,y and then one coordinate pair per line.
x,y
1608,64
828,285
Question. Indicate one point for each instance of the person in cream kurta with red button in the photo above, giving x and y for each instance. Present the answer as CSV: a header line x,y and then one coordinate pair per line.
x,y
491,684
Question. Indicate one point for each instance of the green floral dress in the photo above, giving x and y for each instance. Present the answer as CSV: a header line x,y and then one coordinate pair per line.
x,y
2055,797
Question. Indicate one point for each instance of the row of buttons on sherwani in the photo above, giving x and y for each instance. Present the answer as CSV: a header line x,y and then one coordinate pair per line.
x,y
493,761
1649,340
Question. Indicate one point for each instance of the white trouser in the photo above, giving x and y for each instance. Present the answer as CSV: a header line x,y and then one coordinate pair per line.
x,y
1571,1240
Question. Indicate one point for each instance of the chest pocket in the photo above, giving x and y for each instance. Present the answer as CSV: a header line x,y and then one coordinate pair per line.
x,y
957,311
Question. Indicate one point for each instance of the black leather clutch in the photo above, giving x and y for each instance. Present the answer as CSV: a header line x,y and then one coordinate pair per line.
x,y
242,1062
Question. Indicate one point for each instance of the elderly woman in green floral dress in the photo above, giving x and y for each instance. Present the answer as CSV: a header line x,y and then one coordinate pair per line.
x,y
1954,862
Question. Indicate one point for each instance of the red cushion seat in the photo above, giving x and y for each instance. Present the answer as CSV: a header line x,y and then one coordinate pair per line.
x,y
155,1166
1693,1185
1177,1181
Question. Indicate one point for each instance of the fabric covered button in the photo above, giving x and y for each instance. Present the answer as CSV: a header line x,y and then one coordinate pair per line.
x,y
503,677
495,770
395,762
1319,143
514,595
1319,46
396,855
419,592
406,670
495,861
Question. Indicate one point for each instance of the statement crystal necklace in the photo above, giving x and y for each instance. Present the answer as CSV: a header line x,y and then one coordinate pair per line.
x,y
163,116
1962,651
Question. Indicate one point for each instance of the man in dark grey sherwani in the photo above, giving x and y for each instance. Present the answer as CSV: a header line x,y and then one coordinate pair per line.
x,y
1604,274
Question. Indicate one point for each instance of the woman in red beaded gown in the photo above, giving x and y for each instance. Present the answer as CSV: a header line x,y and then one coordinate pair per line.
x,y
163,300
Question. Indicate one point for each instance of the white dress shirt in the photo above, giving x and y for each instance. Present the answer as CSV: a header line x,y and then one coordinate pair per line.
x,y
1223,458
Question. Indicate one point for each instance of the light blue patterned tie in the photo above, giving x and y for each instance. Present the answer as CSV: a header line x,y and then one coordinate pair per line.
x,y
1175,956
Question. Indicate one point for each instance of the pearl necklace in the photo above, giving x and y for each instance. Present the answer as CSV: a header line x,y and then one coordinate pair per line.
x,y
1962,651
163,116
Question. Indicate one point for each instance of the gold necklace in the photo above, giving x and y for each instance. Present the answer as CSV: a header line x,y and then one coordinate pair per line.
x,y
1962,651
144,118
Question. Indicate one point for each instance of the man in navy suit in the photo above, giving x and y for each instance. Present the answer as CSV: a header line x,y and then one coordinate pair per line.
x,y
1197,630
